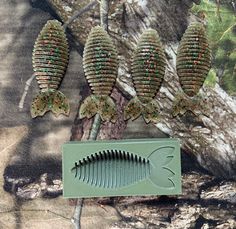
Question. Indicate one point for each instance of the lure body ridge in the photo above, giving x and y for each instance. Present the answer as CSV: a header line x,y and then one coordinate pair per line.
x,y
50,60
193,64
193,59
148,70
100,62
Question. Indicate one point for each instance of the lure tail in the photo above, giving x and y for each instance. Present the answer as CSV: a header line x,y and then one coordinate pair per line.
x,y
149,109
161,175
99,104
183,103
54,101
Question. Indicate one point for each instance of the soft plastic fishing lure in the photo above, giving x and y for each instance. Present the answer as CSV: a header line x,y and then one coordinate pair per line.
x,y
193,64
50,60
100,64
148,70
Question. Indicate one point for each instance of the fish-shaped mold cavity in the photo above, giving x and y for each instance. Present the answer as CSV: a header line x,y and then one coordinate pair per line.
x,y
148,70
193,64
50,60
100,62
114,169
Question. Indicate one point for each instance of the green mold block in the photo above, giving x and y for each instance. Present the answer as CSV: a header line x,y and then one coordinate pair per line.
x,y
121,168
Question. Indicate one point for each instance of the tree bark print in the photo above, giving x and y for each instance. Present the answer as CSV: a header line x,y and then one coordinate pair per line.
x,y
31,184
211,135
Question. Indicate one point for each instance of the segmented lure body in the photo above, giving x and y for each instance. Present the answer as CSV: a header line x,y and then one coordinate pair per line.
x,y
193,59
148,70
50,60
100,62
193,64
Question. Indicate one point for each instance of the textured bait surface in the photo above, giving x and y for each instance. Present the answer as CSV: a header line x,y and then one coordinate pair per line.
x,y
193,59
148,70
50,56
148,65
100,64
50,60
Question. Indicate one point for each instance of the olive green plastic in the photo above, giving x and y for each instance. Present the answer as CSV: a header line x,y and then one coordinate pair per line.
x,y
121,168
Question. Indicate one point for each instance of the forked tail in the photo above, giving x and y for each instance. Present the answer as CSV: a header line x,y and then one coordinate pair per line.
x,y
148,109
54,101
183,103
99,104
161,175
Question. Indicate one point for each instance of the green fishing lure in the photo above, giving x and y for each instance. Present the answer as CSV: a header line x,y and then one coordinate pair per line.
x,y
193,64
100,62
148,70
50,60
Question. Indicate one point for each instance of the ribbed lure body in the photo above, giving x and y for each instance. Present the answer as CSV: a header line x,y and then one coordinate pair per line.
x,y
148,65
193,59
148,70
193,64
100,62
50,60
